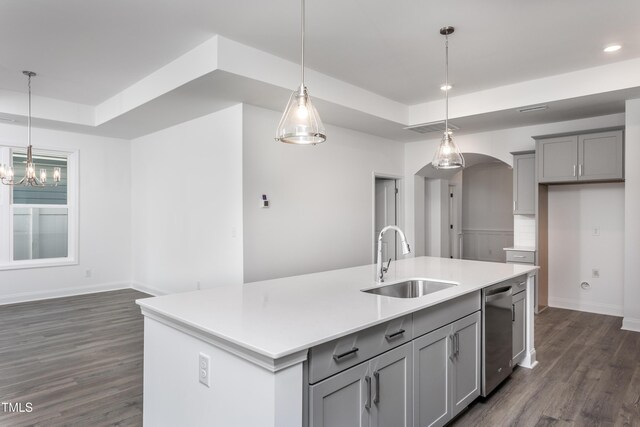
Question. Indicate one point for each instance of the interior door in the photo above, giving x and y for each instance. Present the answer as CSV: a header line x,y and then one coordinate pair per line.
x,y
392,374
386,213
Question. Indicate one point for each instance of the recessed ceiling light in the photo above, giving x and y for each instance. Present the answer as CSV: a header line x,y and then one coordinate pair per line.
x,y
445,87
612,48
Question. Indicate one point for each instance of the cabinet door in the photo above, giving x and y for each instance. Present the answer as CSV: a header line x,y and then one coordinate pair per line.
x,y
557,159
432,363
524,184
392,392
342,399
519,306
466,361
600,156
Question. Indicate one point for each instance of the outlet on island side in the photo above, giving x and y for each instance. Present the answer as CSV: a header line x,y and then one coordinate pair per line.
x,y
595,273
204,363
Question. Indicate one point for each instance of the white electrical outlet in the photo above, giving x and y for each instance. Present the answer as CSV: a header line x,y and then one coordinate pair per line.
x,y
204,362
596,231
595,273
88,273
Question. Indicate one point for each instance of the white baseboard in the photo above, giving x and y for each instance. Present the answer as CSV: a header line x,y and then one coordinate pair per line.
x,y
64,292
590,307
631,324
147,289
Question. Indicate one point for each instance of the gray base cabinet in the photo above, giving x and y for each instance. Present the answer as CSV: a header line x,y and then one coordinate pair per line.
x,y
447,371
519,325
377,393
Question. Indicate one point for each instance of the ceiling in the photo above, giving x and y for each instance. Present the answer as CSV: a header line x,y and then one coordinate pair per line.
x,y
86,51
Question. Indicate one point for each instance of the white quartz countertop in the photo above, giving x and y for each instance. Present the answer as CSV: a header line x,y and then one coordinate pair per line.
x,y
277,318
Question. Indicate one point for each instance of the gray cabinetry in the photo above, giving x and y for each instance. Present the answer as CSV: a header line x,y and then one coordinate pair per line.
x,y
595,156
558,159
524,183
340,400
466,362
447,371
392,394
376,393
432,395
600,156
519,307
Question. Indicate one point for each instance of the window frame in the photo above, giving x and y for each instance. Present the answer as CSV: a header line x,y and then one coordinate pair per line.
x,y
7,212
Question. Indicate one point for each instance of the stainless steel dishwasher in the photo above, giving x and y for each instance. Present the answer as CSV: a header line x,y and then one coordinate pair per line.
x,y
497,335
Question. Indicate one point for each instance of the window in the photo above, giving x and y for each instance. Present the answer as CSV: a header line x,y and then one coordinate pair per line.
x,y
38,225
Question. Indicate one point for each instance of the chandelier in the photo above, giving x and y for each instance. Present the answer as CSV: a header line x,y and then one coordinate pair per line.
x,y
7,173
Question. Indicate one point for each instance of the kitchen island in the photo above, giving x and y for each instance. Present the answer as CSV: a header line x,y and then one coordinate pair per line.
x,y
253,340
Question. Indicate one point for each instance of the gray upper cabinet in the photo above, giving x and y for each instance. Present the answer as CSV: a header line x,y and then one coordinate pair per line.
x,y
585,157
558,159
600,156
524,184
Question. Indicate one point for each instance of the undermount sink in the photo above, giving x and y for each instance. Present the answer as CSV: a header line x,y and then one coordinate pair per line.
x,y
410,288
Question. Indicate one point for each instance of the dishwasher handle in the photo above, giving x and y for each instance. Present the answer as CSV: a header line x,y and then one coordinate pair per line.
x,y
498,293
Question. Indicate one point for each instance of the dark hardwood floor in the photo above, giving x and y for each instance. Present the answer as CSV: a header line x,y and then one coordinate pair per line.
x,y
588,375
77,360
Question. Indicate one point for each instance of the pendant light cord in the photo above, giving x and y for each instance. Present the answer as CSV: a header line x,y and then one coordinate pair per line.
x,y
29,117
302,43
446,84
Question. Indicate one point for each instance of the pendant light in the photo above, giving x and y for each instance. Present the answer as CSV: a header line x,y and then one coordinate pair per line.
x,y
7,173
300,123
448,155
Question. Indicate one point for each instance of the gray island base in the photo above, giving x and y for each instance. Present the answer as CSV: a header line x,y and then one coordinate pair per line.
x,y
314,350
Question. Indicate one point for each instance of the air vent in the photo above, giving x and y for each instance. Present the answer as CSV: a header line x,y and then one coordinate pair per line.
x,y
7,119
532,108
431,127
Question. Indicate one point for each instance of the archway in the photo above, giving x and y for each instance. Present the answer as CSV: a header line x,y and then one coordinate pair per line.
x,y
466,213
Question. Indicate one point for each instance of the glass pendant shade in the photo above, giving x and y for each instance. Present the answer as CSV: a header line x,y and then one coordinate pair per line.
x,y
300,123
448,155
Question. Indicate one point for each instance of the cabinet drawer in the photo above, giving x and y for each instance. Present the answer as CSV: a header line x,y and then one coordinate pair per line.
x,y
334,356
519,284
432,318
522,257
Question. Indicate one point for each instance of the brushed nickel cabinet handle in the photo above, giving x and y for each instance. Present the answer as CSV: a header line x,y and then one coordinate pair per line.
x,y
376,397
367,403
574,170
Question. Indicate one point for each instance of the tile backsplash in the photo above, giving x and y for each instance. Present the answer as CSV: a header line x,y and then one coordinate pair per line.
x,y
524,231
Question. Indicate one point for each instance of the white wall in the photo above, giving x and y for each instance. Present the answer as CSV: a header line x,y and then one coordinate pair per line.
x,y
632,217
321,214
104,219
574,250
187,204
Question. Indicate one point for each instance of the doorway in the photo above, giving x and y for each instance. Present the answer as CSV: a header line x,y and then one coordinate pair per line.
x,y
385,212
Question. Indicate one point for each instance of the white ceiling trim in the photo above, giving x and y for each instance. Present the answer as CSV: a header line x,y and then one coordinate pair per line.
x,y
239,73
